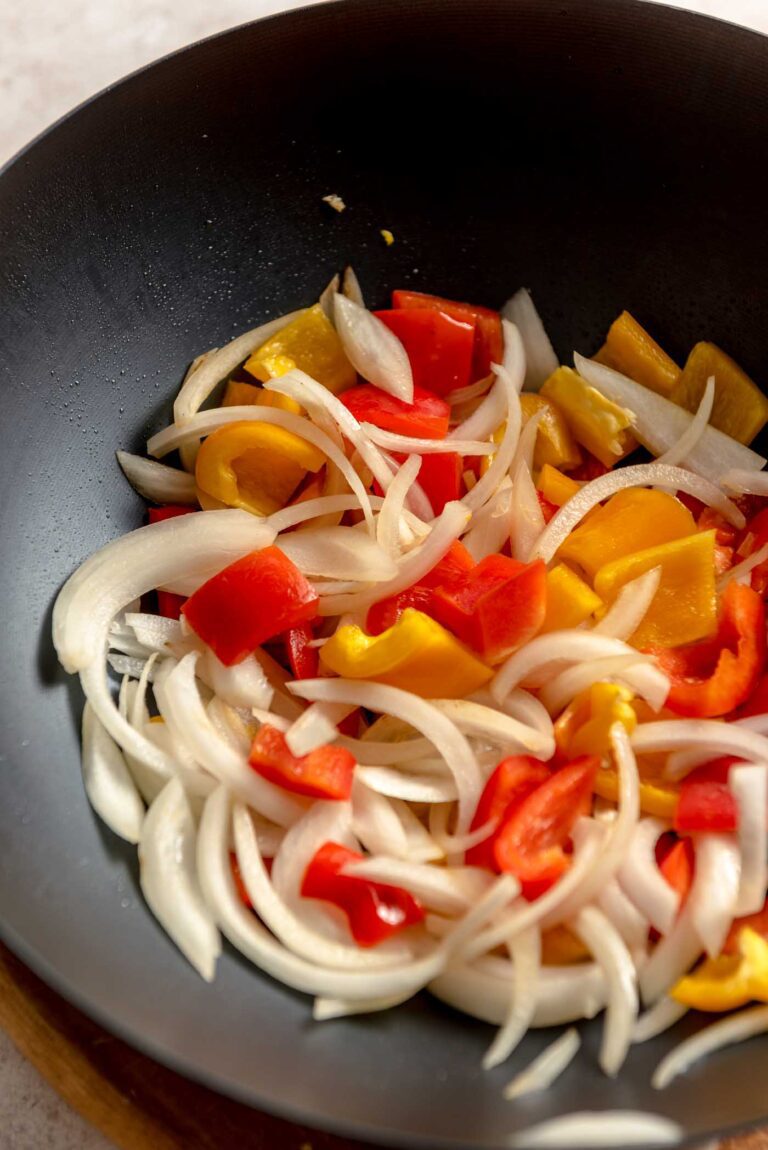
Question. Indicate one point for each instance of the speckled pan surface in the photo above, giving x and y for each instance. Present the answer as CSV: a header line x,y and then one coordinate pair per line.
x,y
605,155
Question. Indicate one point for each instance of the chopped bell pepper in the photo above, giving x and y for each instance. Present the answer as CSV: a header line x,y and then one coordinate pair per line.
x,y
740,408
531,841
555,443
656,797
169,511
456,561
684,608
730,980
252,600
375,910
489,342
561,947
677,863
304,660
630,521
310,343
757,701
439,477
325,773
416,654
715,677
496,607
629,348
426,418
570,601
757,922
439,346
584,727
555,486
756,533
241,394
512,781
256,466
596,423
705,806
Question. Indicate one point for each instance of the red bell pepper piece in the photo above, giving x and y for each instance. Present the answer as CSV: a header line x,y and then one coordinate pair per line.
x,y
325,773
590,468
375,910
705,806
489,342
496,607
439,346
249,602
757,529
716,676
675,860
427,417
757,703
170,511
757,921
237,876
531,842
304,660
440,479
384,614
512,781
548,509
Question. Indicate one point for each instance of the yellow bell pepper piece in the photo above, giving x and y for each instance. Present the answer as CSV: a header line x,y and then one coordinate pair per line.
x,y
730,980
596,423
629,521
595,713
555,486
309,343
684,608
253,465
740,408
416,654
656,798
554,442
569,599
628,348
239,394
561,947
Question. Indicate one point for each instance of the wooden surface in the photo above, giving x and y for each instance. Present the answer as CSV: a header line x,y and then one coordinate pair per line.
x,y
139,1104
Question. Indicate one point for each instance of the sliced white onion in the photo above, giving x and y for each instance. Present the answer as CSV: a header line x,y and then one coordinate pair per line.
x,y
169,879
565,993
316,727
351,286
485,419
600,936
375,822
412,788
108,784
414,446
372,349
244,684
642,880
325,1009
662,1015
718,862
737,573
712,735
745,482
157,482
502,459
640,475
383,754
526,444
527,521
639,673
546,655
540,356
726,1032
447,890
326,296
153,631
472,391
546,1068
492,525
659,424
487,723
749,786
679,452
391,530
338,553
630,607
127,665
593,1128
525,953
321,823
629,922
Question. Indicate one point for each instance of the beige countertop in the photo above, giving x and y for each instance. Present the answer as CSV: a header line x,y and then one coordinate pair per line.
x,y
55,54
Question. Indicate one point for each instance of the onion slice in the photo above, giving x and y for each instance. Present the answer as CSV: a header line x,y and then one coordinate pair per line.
x,y
412,445
593,1128
540,356
662,1015
525,952
108,784
630,607
156,481
679,452
509,380
749,786
743,482
543,657
338,553
737,1027
372,349
642,880
546,1068
600,936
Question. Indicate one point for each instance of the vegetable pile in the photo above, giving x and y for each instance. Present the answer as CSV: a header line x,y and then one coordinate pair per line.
x,y
429,677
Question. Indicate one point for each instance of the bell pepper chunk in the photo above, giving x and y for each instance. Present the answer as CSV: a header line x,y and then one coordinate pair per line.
x,y
304,660
705,806
439,346
496,607
439,477
374,910
489,342
255,466
325,773
684,608
715,677
758,922
570,601
752,538
240,394
531,841
656,797
677,864
512,781
555,443
309,343
730,980
427,417
740,408
630,521
757,700
584,728
629,348
384,614
416,654
169,511
555,486
597,424
252,600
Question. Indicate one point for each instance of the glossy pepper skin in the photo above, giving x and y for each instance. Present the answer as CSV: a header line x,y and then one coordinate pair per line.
x,y
512,781
238,393
596,423
629,348
740,408
455,563
489,342
584,727
427,417
375,910
325,773
439,346
730,980
570,601
248,602
555,486
304,660
309,343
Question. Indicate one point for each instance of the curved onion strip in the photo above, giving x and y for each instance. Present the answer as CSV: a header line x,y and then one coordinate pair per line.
x,y
412,788
375,822
298,513
745,482
727,1032
325,1009
600,936
719,863
389,524
540,356
718,738
660,1017
679,452
127,665
447,890
285,924
526,444
525,953
593,1128
418,503
749,786
472,391
323,822
490,528
411,445
527,517
524,707
546,655
351,286
153,631
502,459
640,674
487,723
136,563
169,879
93,680
630,607
485,419
386,754
546,1068
315,727
421,715
372,349
448,526
629,922
738,572
157,482
642,880
200,383
149,780
326,296
639,475
658,423
108,783
338,553
242,685
565,993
